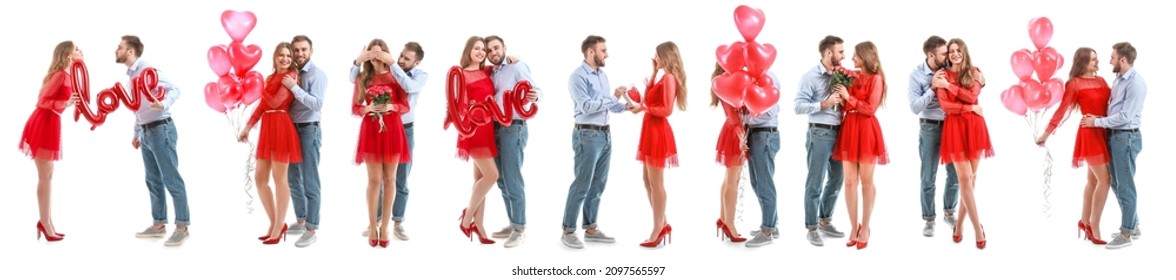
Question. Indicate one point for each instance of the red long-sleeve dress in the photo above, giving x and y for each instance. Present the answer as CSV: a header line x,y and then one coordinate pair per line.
x,y
1091,96
965,133
389,146
277,138
481,144
42,132
657,147
729,150
861,138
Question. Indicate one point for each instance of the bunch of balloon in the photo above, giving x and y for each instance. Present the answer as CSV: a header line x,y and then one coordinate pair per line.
x,y
237,86
745,83
1031,97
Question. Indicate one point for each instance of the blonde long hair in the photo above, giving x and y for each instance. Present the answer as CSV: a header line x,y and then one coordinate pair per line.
x,y
61,59
469,48
965,79
668,54
369,69
871,64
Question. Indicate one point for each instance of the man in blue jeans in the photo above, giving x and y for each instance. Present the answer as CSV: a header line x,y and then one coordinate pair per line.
x,y
591,142
816,100
412,79
763,142
305,187
924,104
511,140
155,137
1124,140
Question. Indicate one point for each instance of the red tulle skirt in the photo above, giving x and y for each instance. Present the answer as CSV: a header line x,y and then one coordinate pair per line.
x,y
382,147
42,135
1090,147
278,140
965,137
657,147
479,145
729,150
860,140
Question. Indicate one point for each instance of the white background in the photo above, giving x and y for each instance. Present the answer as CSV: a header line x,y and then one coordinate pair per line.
x,y
100,198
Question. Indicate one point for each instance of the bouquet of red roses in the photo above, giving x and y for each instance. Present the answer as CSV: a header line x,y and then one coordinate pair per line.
x,y
843,77
379,95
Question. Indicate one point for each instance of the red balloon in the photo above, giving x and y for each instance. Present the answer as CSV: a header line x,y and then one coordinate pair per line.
x,y
212,97
238,24
749,21
218,60
1036,97
732,57
759,58
1046,63
762,96
230,91
1056,89
1040,31
634,95
1022,62
244,57
731,86
1014,100
251,86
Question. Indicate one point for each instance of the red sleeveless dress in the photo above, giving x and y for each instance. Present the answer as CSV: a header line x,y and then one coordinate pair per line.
x,y
277,138
657,147
1091,96
42,132
481,144
965,133
389,146
861,138
729,150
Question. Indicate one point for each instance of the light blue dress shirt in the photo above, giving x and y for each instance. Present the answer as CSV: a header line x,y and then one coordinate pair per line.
x,y
814,88
146,114
1126,104
592,96
924,103
507,75
309,105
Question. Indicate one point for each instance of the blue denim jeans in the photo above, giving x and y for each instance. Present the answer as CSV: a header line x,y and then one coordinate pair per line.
x,y
819,144
161,167
593,151
304,177
761,164
1125,147
929,134
512,140
399,203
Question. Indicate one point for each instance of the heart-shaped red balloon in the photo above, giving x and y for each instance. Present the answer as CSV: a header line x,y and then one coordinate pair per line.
x,y
252,86
212,97
1046,63
749,21
1023,64
1014,100
634,95
1056,89
762,96
1036,97
244,57
731,86
238,24
218,60
759,58
229,90
732,57
1040,31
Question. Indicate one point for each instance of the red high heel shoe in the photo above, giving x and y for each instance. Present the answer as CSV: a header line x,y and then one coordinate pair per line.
x,y
1097,240
1081,228
957,238
464,229
41,231
982,243
665,233
726,232
862,244
474,229
853,242
277,239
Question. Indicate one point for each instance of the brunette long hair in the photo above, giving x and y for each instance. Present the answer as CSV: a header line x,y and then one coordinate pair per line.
x,y
871,64
965,78
369,69
61,59
668,54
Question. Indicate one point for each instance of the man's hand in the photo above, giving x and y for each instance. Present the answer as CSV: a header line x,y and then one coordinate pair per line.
x,y
510,59
1088,120
978,76
135,142
533,96
158,106
978,110
289,81
833,99
385,57
364,56
620,91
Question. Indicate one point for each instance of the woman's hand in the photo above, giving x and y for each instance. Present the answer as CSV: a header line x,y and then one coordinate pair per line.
x,y
73,99
244,135
1041,140
372,108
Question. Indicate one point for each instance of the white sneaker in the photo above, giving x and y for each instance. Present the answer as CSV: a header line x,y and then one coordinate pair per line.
x,y
516,238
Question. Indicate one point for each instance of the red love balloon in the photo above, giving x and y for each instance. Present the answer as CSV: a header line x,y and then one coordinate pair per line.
x,y
749,21
238,24
731,86
212,97
1023,64
81,84
1046,63
1056,89
1040,31
244,57
457,103
759,58
761,96
1036,97
1014,100
732,57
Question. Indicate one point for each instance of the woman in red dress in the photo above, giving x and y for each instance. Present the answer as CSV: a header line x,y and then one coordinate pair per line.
x,y
41,139
657,149
860,146
965,134
277,144
731,151
480,146
379,100
1088,92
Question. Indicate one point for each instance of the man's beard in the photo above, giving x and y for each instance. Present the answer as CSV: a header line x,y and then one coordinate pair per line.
x,y
599,61
120,59
496,61
1117,69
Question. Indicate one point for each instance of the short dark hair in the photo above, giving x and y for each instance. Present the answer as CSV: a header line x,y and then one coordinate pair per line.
x,y
134,43
932,43
1125,50
829,42
494,38
415,48
590,42
302,38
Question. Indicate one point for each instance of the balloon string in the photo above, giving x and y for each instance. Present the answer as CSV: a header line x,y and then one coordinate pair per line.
x,y
235,117
1034,121
743,181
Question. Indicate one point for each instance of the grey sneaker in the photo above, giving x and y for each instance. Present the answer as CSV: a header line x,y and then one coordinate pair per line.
x,y
950,220
598,237
570,240
929,229
152,232
759,241
814,238
297,228
178,237
515,239
306,239
398,231
830,231
504,233
1135,233
775,233
1119,242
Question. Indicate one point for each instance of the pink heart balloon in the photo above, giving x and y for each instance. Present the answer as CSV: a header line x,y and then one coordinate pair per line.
x,y
1040,31
1036,97
749,21
1056,89
732,57
1014,100
244,57
212,97
1046,63
218,60
238,24
1022,62
730,87
759,58
761,96
230,91
252,86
